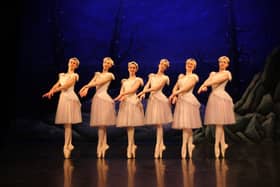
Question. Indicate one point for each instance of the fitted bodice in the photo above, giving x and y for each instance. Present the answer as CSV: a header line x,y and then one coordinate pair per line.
x,y
127,84
156,80
65,77
101,76
184,80
220,86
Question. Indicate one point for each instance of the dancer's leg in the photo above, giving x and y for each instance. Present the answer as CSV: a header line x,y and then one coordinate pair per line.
x,y
190,142
185,137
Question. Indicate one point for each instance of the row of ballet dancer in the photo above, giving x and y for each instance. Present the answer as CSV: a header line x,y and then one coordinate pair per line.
x,y
219,108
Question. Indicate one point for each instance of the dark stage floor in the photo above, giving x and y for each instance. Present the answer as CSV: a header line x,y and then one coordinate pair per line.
x,y
42,164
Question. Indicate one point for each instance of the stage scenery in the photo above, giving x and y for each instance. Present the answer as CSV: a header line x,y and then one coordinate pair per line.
x,y
144,93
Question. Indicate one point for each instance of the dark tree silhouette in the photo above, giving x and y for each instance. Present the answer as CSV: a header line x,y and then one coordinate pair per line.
x,y
59,58
233,51
115,51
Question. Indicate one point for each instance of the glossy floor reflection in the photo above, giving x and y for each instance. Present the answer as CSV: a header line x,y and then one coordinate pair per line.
x,y
42,164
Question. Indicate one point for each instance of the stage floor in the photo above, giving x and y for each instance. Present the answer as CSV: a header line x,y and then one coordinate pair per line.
x,y
42,164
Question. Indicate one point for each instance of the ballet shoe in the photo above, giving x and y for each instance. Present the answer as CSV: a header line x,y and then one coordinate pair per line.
x,y
217,150
190,149
70,147
183,151
98,152
66,153
128,151
224,147
103,150
162,148
133,151
156,152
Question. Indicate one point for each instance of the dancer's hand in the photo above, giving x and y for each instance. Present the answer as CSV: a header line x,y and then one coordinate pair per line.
x,y
174,100
141,95
48,94
83,92
202,89
120,97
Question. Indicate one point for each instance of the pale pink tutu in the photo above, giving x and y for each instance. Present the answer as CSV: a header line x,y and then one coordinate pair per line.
x,y
219,109
68,109
186,113
130,114
102,111
158,110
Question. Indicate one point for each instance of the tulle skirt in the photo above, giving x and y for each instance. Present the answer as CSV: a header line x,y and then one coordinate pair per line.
x,y
158,111
219,109
102,111
187,114
68,109
131,114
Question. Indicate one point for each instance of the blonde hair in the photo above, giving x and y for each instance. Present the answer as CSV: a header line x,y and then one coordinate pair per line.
x,y
165,61
75,59
109,59
191,60
133,62
224,58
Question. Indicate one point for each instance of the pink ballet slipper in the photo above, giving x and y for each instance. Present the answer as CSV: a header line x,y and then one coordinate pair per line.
x,y
224,147
128,151
183,151
217,150
162,148
133,151
156,152
190,149
103,150
66,153
70,147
